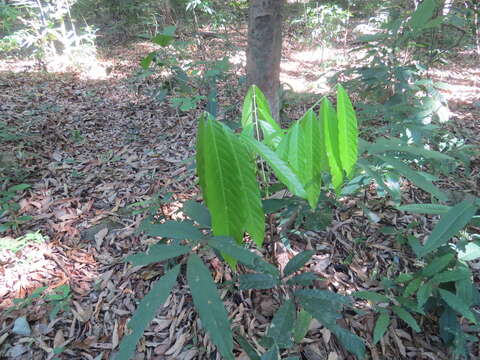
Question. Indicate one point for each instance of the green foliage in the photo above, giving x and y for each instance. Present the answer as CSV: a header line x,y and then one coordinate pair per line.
x,y
189,81
48,29
228,182
9,208
442,285
321,24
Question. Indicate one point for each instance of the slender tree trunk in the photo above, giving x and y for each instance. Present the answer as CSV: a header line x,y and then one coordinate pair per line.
x,y
265,49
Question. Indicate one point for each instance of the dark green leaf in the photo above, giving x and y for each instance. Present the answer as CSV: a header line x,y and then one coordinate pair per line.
x,y
437,265
449,225
304,279
415,177
297,262
245,345
180,230
423,294
349,341
371,296
381,327
272,354
407,317
302,325
145,312
412,287
457,304
257,281
281,327
431,209
451,276
198,213
157,253
248,258
212,313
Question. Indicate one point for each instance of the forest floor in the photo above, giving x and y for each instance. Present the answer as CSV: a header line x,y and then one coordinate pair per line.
x,y
91,147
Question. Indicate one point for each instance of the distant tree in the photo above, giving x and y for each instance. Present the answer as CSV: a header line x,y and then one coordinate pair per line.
x,y
265,48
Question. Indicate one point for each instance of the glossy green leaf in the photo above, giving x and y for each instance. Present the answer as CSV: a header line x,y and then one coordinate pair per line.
x,y
281,169
407,317
381,327
448,226
414,177
145,312
257,281
330,131
212,313
457,304
430,209
281,327
347,131
157,253
255,107
228,181
315,156
302,325
297,262
180,230
198,213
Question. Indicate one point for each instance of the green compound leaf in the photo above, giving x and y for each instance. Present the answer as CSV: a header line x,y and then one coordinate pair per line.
x,y
212,313
281,328
297,262
145,312
381,327
157,253
448,226
228,181
347,131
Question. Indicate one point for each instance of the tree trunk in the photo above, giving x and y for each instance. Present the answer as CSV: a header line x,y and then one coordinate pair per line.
x,y
265,49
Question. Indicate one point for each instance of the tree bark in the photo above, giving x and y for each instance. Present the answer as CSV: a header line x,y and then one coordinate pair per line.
x,y
264,49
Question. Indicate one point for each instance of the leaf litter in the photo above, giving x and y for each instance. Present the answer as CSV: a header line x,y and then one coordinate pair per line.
x,y
90,148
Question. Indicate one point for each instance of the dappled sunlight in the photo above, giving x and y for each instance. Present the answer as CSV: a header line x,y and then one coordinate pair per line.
x,y
43,263
308,70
